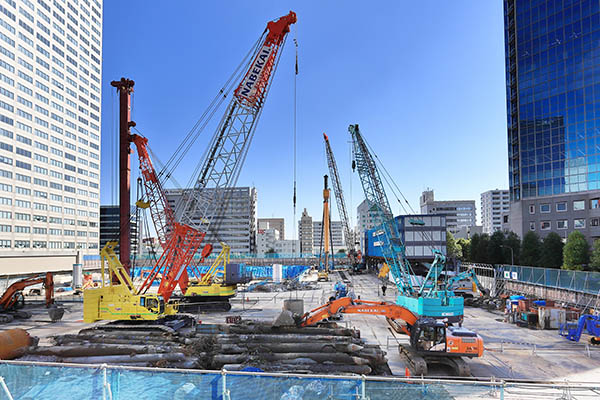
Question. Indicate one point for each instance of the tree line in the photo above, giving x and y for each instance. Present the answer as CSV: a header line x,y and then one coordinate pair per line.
x,y
508,248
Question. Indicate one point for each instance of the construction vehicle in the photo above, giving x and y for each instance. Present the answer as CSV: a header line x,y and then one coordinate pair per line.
x,y
431,298
212,289
326,261
122,300
467,285
182,230
432,341
12,301
587,322
336,183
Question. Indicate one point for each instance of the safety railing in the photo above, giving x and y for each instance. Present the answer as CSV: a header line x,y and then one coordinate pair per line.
x,y
53,380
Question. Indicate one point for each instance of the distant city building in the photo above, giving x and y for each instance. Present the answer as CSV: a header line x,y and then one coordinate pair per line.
x,y
494,203
421,234
50,86
236,223
337,236
110,229
553,103
466,232
459,213
288,247
275,223
265,240
366,220
305,232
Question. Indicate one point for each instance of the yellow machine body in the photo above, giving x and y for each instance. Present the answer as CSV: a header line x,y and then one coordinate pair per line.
x,y
211,290
212,283
120,301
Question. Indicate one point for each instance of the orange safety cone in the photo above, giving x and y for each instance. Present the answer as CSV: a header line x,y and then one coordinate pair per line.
x,y
407,372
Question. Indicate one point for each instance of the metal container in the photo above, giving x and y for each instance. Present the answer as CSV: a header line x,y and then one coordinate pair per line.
x,y
12,341
277,273
296,306
77,276
551,317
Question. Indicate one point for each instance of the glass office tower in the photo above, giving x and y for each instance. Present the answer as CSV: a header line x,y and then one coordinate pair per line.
x,y
553,101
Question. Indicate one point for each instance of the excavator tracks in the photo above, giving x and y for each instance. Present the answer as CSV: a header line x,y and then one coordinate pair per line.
x,y
418,364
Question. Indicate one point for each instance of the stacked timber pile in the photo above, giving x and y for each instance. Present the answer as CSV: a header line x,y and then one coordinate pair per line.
x,y
327,349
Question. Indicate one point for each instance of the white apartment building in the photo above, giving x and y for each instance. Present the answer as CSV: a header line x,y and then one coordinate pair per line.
x,y
494,204
305,233
460,214
236,223
367,219
287,247
337,236
265,240
275,223
50,100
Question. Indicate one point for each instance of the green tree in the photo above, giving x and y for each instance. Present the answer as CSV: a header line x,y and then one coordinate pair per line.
x,y
270,251
552,251
473,244
465,248
479,248
576,253
595,261
530,249
342,251
514,242
495,252
452,248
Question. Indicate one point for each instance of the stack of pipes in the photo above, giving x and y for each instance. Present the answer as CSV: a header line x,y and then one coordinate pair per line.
x,y
326,349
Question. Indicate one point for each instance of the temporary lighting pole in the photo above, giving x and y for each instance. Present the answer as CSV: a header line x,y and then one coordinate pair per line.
x,y
125,88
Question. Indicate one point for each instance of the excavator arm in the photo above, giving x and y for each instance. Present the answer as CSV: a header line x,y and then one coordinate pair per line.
x,y
468,274
347,305
9,298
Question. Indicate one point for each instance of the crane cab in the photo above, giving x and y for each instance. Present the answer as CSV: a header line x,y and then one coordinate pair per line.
x,y
429,335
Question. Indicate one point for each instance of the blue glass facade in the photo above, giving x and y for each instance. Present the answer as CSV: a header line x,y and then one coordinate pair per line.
x,y
553,96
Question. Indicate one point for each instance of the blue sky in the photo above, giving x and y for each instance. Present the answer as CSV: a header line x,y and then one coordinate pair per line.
x,y
424,80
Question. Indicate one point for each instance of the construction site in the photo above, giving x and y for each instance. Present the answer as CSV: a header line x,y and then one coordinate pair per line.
x,y
192,322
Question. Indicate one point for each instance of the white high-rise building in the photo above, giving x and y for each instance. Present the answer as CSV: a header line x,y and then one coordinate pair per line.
x,y
337,236
50,99
367,219
494,204
235,223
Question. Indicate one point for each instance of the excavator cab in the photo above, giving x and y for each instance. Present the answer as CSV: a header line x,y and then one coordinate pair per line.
x,y
155,304
429,335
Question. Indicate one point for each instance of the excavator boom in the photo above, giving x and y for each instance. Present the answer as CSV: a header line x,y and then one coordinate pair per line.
x,y
9,299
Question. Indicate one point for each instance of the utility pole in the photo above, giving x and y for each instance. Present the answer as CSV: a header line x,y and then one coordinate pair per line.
x,y
124,88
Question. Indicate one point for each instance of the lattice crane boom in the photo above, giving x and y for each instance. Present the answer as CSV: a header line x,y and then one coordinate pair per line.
x,y
393,248
231,141
339,197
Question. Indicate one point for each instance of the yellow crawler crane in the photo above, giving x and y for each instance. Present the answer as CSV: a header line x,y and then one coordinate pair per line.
x,y
212,291
117,298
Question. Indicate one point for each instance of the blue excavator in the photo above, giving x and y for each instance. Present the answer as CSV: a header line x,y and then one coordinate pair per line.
x,y
587,322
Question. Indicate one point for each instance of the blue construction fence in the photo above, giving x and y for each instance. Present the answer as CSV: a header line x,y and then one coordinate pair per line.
x,y
235,256
580,281
251,271
42,381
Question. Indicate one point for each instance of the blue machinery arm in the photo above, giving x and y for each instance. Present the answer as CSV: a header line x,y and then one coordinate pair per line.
x,y
393,250
468,274
588,322
431,298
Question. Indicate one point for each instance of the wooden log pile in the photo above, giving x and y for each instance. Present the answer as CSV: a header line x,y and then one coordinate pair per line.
x,y
327,349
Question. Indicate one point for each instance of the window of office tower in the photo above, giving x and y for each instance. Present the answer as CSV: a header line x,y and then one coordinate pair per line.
x,y
554,121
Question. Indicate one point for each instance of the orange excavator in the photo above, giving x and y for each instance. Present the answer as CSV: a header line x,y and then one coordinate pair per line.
x,y
13,300
432,341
